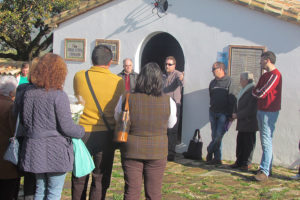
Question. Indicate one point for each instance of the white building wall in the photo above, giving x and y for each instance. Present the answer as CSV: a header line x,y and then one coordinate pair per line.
x,y
203,28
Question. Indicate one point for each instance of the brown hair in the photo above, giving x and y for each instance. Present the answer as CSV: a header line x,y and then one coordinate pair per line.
x,y
33,65
219,65
50,72
171,58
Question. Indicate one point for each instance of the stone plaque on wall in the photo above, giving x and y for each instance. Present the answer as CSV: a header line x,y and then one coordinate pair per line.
x,y
241,59
75,49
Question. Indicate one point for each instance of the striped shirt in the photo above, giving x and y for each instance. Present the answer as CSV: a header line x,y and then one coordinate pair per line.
x,y
268,91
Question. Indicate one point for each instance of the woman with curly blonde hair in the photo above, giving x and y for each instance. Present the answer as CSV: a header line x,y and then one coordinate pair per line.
x,y
47,150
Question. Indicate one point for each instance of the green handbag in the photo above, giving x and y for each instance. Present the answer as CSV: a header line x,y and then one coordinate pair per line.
x,y
83,161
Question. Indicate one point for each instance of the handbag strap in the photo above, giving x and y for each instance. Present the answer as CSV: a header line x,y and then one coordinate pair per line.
x,y
126,102
96,101
197,133
17,125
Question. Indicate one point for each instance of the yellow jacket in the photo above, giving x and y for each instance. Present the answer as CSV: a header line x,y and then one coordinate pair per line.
x,y
108,88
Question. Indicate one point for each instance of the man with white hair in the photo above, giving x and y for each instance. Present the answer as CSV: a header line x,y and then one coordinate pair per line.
x,y
128,75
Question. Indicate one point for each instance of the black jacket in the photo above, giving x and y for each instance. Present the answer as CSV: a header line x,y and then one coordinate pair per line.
x,y
222,99
246,112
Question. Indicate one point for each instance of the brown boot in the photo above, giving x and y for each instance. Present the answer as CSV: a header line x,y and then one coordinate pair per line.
x,y
261,176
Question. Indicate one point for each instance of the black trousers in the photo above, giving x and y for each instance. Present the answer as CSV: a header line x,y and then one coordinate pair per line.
x,y
245,147
102,149
9,189
172,134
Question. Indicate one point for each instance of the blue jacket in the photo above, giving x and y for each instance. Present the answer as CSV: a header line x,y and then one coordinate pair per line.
x,y
47,129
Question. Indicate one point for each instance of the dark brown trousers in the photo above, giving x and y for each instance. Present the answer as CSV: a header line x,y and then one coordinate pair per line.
x,y
135,170
102,149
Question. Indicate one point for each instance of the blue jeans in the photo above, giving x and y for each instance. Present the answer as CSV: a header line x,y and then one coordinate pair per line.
x,y
49,186
217,122
266,124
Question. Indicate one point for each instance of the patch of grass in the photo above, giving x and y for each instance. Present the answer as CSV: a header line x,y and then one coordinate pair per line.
x,y
187,196
245,184
117,196
117,174
214,196
167,188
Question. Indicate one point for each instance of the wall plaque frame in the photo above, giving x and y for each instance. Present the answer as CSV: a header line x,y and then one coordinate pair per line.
x,y
75,49
114,45
241,59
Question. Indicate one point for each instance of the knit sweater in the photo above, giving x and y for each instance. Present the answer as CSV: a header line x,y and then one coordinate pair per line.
x,y
47,130
268,91
108,88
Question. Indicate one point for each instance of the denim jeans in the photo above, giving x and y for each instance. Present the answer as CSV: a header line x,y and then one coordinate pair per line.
x,y
217,122
266,124
49,186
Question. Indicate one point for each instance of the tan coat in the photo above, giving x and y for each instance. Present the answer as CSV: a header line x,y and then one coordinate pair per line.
x,y
7,127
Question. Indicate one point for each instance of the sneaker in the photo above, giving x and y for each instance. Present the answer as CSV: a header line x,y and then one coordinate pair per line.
x,y
297,177
256,171
214,162
261,176
209,157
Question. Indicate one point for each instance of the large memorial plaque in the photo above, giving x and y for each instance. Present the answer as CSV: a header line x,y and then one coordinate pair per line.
x,y
241,59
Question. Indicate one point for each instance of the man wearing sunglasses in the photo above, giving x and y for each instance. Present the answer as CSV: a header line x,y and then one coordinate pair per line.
x,y
222,104
172,87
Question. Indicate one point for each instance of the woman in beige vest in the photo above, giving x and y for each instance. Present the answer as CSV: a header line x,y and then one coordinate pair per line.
x,y
145,153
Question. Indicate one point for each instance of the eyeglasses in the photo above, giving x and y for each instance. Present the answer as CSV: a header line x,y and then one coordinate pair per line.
x,y
169,64
213,69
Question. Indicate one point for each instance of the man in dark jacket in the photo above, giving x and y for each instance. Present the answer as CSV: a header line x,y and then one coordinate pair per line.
x,y
222,103
128,75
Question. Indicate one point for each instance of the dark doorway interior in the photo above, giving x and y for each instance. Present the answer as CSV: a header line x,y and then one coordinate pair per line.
x,y
159,47
156,50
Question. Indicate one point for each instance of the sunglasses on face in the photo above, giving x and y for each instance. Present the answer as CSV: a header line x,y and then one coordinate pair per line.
x,y
169,64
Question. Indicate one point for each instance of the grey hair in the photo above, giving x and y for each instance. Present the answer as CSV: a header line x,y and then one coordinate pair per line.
x,y
8,84
248,76
127,59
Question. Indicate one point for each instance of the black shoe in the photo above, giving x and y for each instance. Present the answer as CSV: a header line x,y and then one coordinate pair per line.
x,y
209,157
214,162
234,166
171,157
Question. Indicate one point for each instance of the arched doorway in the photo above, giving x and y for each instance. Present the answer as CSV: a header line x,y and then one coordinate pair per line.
x,y
156,49
159,47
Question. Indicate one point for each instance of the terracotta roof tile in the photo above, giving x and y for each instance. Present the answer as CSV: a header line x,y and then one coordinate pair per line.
x,y
82,8
288,10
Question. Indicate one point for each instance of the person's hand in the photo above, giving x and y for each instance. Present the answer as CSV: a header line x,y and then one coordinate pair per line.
x,y
181,76
234,115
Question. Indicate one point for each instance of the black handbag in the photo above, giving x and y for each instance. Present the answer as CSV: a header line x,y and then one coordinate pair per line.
x,y
194,151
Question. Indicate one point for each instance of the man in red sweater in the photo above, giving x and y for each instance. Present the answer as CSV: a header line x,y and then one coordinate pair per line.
x,y
268,94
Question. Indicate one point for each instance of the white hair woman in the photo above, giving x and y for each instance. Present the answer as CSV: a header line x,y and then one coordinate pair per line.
x,y
246,122
9,176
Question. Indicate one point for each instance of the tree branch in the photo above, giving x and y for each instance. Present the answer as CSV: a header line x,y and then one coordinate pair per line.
x,y
9,55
